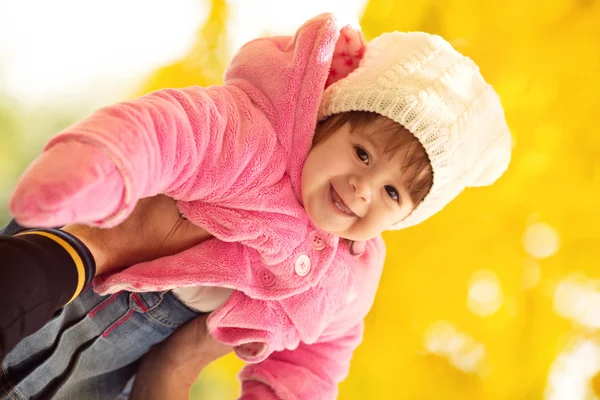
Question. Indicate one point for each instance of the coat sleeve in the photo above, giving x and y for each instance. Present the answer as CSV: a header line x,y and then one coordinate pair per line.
x,y
310,372
187,143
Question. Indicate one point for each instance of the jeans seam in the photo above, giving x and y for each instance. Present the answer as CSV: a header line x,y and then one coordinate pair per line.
x,y
161,299
103,304
165,324
156,315
119,322
11,388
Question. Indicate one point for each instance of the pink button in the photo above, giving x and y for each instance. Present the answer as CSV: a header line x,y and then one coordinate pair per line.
x,y
358,248
316,240
266,277
302,266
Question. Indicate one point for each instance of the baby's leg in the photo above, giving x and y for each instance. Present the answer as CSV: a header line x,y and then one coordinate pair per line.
x,y
90,349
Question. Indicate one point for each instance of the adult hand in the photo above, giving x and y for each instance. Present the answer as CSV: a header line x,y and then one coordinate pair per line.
x,y
154,229
169,370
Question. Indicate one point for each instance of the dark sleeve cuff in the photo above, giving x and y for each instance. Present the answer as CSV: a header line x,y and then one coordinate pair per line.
x,y
40,271
62,248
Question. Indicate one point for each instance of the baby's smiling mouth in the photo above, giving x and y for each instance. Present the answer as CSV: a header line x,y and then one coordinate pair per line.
x,y
339,203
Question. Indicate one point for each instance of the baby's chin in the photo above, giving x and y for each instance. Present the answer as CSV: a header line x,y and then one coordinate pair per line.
x,y
350,231
358,232
326,226
357,238
350,234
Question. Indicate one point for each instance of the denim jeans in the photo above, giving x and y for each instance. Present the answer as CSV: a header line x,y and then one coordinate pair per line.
x,y
90,348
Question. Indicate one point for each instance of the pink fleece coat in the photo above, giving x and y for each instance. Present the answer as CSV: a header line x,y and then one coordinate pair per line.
x,y
232,155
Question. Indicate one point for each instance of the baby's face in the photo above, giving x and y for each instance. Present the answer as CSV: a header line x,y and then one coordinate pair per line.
x,y
352,188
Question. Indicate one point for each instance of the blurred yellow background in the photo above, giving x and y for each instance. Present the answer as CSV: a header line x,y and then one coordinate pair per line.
x,y
498,296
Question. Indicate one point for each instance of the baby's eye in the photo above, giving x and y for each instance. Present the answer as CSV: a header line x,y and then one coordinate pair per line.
x,y
362,155
393,193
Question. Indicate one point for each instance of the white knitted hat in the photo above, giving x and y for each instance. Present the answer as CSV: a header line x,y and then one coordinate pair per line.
x,y
439,95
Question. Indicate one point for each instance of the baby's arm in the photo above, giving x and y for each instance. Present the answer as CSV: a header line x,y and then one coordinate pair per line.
x,y
97,169
312,371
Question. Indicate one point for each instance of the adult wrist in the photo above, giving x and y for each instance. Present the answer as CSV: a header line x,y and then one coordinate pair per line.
x,y
95,247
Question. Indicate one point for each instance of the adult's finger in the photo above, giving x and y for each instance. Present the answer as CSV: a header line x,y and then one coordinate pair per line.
x,y
171,367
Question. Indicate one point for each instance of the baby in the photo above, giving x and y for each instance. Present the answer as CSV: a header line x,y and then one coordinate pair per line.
x,y
313,146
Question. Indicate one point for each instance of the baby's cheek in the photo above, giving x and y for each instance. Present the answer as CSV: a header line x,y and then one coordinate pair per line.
x,y
375,224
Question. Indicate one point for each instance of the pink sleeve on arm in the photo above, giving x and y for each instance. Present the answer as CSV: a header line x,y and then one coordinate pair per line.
x,y
157,141
311,371
191,144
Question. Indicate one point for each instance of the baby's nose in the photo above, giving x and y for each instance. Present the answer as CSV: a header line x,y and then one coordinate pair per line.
x,y
361,188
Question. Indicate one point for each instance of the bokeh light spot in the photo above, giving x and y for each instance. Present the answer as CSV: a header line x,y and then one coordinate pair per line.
x,y
485,293
572,371
541,240
577,298
461,350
